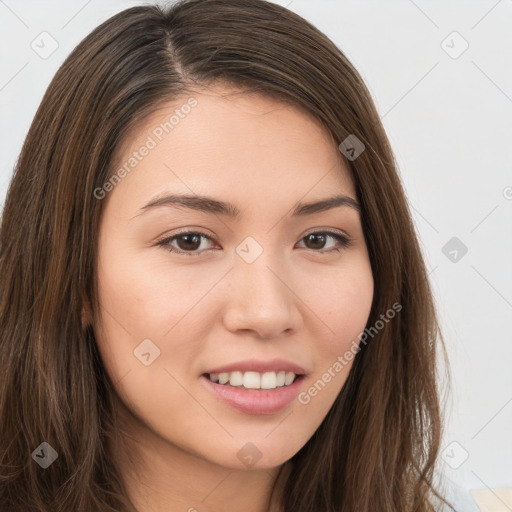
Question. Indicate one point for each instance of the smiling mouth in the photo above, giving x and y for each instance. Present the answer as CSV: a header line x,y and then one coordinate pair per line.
x,y
266,381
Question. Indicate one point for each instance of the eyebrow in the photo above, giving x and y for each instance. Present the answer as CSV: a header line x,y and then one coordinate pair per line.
x,y
214,206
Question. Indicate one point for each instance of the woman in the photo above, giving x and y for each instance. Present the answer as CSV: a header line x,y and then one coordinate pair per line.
x,y
212,291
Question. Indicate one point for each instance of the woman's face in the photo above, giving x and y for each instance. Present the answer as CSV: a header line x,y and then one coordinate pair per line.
x,y
263,292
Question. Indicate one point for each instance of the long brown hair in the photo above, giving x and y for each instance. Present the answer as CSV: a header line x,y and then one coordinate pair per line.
x,y
376,450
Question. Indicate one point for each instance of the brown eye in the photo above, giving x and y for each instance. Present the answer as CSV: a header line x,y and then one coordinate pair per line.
x,y
316,241
187,243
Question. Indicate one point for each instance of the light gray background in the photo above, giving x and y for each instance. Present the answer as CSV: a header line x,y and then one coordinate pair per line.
x,y
450,124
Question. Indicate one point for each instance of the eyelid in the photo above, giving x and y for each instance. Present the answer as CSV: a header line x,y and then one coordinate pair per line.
x,y
326,230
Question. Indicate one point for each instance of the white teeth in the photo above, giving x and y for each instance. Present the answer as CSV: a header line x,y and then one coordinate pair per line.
x,y
251,380
269,380
236,378
289,378
254,380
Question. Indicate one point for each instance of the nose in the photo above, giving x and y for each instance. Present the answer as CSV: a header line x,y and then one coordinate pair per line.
x,y
261,299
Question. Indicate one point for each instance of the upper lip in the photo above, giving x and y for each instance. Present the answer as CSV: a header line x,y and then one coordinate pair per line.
x,y
255,365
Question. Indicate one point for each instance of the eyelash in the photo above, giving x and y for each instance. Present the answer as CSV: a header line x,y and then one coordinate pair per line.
x,y
343,240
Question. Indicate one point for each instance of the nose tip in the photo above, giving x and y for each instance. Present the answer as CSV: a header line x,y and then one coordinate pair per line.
x,y
260,300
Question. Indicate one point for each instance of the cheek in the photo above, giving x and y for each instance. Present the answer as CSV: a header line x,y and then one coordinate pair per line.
x,y
149,305
141,311
144,299
343,305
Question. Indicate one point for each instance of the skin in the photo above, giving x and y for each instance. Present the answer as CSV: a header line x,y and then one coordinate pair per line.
x,y
296,301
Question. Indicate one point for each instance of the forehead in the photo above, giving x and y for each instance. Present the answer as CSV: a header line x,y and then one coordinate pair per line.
x,y
235,143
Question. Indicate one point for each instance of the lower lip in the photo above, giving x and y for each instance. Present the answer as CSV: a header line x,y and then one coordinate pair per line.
x,y
255,401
